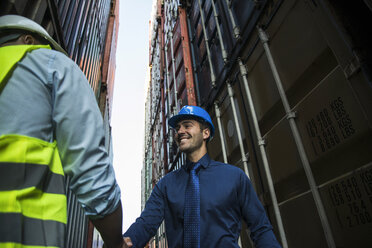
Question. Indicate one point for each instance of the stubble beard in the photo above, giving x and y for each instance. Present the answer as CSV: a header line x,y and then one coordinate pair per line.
x,y
192,147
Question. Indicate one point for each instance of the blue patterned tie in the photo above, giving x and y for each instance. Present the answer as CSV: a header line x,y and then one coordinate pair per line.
x,y
191,234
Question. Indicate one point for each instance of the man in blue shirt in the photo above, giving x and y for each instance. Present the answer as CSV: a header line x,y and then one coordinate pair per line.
x,y
225,195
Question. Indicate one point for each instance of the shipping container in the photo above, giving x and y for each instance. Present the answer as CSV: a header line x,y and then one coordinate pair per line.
x,y
288,86
87,30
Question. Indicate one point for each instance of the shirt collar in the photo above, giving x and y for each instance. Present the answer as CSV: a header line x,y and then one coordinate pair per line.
x,y
204,161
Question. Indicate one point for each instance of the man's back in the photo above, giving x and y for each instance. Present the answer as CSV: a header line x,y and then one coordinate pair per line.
x,y
26,100
48,97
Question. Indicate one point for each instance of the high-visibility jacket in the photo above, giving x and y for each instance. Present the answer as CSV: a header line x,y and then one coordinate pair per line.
x,y
33,205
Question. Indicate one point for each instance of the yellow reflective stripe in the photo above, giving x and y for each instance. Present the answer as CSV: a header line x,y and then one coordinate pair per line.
x,y
10,55
34,203
31,231
22,149
17,245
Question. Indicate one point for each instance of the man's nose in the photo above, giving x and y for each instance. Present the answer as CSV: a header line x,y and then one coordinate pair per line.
x,y
180,130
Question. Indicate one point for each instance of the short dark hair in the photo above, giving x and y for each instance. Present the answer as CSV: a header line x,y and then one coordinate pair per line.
x,y
202,122
204,125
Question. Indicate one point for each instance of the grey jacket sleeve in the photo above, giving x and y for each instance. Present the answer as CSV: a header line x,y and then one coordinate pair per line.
x,y
79,132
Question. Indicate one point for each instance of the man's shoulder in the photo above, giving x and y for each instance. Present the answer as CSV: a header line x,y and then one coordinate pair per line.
x,y
173,174
169,179
46,52
225,167
48,55
55,61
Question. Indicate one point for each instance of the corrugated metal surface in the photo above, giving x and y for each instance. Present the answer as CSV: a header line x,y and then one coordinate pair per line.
x,y
109,61
97,240
43,12
315,134
80,27
77,222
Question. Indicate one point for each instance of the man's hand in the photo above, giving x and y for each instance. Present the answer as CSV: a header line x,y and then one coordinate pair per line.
x,y
110,228
127,242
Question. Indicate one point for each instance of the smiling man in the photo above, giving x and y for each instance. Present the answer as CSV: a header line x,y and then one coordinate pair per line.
x,y
204,202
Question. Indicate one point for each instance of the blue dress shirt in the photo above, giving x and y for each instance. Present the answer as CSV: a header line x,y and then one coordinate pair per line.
x,y
226,197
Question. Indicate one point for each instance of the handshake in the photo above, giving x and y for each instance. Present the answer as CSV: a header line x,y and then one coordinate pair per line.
x,y
110,228
126,243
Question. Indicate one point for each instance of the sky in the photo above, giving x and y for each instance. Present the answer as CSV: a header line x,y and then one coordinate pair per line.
x,y
127,120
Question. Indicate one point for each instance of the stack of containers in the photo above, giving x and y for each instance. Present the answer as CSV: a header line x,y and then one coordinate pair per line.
x,y
84,24
147,163
287,84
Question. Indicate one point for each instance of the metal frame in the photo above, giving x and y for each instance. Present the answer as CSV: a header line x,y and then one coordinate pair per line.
x,y
235,27
190,86
223,50
261,144
301,150
238,130
206,40
222,136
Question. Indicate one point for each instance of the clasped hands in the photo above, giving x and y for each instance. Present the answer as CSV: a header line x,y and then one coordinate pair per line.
x,y
126,243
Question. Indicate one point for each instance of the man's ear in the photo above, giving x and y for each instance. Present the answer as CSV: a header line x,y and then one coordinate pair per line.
x,y
28,39
206,133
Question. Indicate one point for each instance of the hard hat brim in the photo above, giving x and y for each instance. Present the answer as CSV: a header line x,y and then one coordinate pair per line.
x,y
177,118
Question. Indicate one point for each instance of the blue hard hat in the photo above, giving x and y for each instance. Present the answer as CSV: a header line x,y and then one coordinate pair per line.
x,y
192,112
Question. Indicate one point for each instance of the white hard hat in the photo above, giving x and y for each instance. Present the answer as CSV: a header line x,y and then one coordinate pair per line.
x,y
16,22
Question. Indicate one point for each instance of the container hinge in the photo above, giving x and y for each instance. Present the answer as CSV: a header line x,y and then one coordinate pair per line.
x,y
291,115
261,142
352,68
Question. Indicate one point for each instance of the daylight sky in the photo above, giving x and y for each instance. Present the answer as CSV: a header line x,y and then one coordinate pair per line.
x,y
127,119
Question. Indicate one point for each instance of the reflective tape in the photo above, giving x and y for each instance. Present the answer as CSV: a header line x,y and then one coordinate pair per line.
x,y
10,55
18,245
34,203
23,149
14,176
30,231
